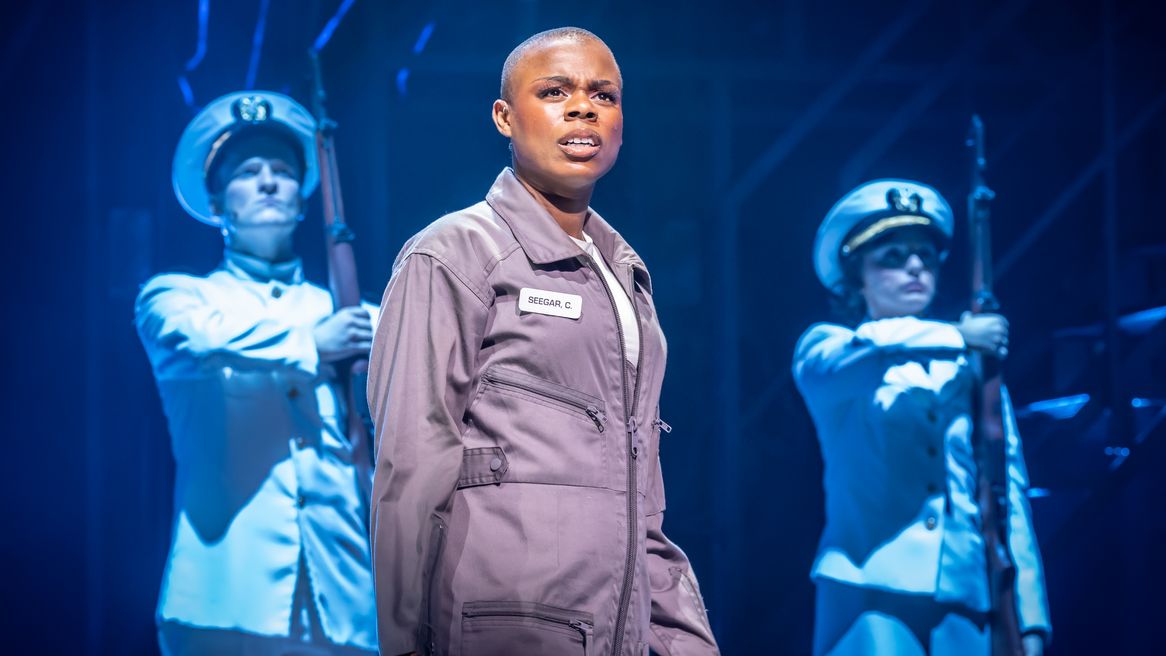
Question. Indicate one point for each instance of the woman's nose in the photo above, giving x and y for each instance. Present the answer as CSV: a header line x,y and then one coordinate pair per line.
x,y
266,180
580,106
915,264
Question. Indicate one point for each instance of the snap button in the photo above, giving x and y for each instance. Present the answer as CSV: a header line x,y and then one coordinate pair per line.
x,y
931,416
276,292
495,464
293,393
300,442
931,523
932,451
301,501
932,488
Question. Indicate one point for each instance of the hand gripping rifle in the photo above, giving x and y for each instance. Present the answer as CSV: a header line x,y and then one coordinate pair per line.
x,y
990,438
343,282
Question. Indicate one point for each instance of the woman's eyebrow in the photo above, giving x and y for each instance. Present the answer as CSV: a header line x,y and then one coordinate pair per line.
x,y
565,80
560,79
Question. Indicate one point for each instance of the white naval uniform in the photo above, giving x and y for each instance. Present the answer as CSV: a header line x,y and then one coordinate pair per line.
x,y
269,536
901,565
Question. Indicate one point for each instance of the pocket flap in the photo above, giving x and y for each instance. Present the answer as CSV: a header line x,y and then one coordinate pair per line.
x,y
482,466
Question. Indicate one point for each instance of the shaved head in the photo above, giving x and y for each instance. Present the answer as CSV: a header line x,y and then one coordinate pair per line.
x,y
536,42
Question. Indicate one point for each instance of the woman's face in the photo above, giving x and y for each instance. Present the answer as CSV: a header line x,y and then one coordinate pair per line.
x,y
899,275
564,119
262,192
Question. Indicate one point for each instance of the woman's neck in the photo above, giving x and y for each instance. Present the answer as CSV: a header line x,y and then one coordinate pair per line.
x,y
569,212
267,247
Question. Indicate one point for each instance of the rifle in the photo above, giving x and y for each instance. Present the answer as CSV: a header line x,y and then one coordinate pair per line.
x,y
343,282
990,439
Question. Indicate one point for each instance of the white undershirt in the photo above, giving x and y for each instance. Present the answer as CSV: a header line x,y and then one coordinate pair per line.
x,y
623,304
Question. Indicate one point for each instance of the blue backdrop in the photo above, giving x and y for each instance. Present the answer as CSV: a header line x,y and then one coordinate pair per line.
x,y
744,122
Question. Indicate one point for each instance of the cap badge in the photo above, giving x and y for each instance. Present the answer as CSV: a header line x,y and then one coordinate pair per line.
x,y
913,204
251,109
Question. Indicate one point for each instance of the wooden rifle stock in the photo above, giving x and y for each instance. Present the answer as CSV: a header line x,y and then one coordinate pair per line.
x,y
990,439
343,282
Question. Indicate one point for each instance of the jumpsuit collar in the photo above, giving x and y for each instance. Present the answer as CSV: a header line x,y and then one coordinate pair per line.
x,y
541,238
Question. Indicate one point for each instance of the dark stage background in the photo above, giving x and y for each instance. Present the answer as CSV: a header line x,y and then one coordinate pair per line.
x,y
744,122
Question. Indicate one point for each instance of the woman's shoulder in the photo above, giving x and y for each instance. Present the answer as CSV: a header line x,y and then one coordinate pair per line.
x,y
818,333
469,243
823,330
172,282
471,234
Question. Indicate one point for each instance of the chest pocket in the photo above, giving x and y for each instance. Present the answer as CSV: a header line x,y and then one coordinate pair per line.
x,y
549,433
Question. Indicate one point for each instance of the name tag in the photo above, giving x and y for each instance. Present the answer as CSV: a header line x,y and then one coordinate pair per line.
x,y
569,306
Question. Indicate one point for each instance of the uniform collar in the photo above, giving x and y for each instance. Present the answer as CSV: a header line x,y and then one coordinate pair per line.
x,y
541,238
290,272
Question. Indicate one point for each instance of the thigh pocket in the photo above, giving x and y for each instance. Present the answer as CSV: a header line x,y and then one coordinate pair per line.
x,y
514,628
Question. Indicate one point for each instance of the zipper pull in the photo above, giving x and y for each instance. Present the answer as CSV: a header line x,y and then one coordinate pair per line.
x,y
663,425
596,416
634,433
581,627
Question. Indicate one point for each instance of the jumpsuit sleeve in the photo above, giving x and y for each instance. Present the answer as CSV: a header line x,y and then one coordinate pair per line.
x,y
829,357
420,377
1032,606
180,329
679,620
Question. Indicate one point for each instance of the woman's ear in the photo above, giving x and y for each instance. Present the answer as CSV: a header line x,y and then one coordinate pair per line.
x,y
217,204
501,115
218,209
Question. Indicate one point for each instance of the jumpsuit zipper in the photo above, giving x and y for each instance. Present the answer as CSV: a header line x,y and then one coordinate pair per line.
x,y
633,452
568,397
582,625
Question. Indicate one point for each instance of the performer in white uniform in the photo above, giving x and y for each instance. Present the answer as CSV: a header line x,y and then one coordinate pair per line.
x,y
901,566
270,551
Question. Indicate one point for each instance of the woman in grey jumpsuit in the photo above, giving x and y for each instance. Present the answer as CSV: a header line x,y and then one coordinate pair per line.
x,y
515,383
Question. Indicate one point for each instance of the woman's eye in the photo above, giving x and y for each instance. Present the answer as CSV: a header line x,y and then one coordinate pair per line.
x,y
892,258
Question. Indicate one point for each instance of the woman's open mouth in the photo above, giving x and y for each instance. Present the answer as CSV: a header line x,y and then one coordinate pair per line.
x,y
581,145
